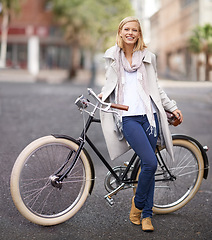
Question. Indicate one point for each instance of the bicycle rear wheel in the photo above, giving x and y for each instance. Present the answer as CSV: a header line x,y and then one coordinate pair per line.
x,y
37,194
187,169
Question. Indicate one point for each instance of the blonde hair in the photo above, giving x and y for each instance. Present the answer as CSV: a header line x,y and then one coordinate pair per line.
x,y
140,45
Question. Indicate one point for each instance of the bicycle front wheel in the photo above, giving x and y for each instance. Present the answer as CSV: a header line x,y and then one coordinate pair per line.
x,y
37,194
187,170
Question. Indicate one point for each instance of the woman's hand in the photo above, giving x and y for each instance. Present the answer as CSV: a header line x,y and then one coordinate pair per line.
x,y
100,95
178,115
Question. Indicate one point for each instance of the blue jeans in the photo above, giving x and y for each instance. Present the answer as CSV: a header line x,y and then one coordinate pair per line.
x,y
136,132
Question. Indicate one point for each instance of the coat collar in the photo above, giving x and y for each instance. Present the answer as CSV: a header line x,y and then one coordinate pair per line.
x,y
110,53
147,56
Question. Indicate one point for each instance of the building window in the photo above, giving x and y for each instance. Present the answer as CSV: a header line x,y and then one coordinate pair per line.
x,y
17,55
54,57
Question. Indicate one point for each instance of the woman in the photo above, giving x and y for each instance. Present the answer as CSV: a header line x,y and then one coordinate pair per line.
x,y
132,80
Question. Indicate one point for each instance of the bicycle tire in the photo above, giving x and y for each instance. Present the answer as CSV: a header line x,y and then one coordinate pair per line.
x,y
31,185
188,168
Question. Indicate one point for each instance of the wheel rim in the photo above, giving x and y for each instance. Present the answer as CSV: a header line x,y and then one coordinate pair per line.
x,y
185,169
38,193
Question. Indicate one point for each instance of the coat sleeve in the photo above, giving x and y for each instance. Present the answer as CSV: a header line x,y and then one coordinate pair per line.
x,y
169,105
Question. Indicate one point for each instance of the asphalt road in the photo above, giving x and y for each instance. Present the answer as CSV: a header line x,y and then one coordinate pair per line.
x,y
29,111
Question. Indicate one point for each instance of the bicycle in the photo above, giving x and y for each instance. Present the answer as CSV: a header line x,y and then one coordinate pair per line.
x,y
53,176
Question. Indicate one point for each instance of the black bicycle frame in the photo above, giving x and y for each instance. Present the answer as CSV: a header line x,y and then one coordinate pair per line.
x,y
84,138
163,166
81,141
104,161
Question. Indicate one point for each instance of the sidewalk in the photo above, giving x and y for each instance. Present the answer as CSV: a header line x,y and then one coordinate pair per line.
x,y
13,75
83,77
184,84
19,75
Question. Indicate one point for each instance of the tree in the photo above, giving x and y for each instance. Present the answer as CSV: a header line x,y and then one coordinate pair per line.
x,y
201,42
89,23
7,8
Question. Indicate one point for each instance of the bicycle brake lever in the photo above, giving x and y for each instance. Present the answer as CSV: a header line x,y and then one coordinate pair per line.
x,y
93,94
81,102
109,111
106,109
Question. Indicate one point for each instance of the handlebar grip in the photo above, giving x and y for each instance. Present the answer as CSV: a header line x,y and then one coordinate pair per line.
x,y
119,106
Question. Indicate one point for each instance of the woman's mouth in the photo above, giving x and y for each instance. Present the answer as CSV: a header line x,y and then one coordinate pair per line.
x,y
130,38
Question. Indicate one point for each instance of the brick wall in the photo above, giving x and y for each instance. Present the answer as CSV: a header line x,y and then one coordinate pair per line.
x,y
33,12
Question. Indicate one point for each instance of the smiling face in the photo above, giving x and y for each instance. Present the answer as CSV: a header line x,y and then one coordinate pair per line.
x,y
130,33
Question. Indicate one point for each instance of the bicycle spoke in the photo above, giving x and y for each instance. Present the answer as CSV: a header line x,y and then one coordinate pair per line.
x,y
35,195
185,168
44,203
39,189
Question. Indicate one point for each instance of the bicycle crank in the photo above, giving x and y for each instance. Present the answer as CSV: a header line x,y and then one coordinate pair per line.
x,y
110,182
108,197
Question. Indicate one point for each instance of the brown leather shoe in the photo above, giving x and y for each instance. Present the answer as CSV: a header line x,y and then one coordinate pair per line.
x,y
147,225
135,214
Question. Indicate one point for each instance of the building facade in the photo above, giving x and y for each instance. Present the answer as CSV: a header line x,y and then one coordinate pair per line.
x,y
34,41
143,10
171,27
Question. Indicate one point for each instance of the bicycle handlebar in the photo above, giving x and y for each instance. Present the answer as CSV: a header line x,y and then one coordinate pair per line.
x,y
120,106
112,105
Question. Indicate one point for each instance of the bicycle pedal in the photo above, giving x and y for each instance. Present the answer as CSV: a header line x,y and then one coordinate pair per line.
x,y
109,200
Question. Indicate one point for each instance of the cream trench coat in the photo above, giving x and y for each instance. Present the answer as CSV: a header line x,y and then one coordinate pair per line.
x,y
161,101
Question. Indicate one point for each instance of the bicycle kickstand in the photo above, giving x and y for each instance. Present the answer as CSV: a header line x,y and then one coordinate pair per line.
x,y
108,197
